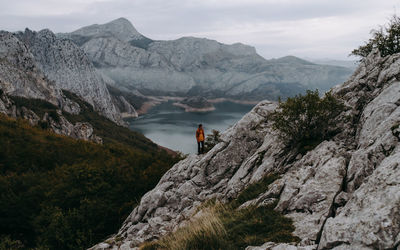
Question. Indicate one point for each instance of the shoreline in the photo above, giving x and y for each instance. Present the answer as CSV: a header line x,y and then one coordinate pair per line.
x,y
188,108
223,99
154,101
157,100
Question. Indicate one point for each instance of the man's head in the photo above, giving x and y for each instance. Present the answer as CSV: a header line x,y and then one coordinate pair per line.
x,y
200,126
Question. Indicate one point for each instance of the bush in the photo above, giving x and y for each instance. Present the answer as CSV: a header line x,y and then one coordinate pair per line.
x,y
212,140
386,39
7,243
306,120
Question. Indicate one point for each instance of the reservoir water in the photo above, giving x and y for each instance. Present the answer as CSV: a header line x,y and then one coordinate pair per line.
x,y
172,127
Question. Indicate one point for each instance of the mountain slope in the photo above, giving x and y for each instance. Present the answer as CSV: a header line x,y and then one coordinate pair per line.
x,y
68,66
194,66
343,194
62,193
19,73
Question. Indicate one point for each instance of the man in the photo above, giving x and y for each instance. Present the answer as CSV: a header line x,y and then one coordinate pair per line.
x,y
200,139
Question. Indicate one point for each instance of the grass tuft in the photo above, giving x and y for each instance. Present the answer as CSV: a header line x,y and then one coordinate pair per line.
x,y
223,226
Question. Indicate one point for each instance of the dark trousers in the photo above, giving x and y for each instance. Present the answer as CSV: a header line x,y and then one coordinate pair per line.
x,y
200,147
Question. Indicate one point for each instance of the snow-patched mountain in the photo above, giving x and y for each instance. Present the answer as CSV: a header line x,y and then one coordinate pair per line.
x,y
343,194
68,66
197,66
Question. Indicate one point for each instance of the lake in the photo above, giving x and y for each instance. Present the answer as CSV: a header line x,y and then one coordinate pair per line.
x,y
172,127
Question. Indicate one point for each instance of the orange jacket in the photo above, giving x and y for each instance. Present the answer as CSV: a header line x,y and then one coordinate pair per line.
x,y
200,135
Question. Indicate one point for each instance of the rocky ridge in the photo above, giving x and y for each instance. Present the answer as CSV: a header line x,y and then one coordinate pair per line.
x,y
21,76
192,66
19,73
68,66
343,194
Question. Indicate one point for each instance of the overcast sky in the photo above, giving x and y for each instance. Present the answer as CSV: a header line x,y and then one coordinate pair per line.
x,y
304,28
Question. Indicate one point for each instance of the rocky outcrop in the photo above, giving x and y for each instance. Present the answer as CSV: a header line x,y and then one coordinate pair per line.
x,y
68,66
343,194
79,130
54,121
192,66
19,74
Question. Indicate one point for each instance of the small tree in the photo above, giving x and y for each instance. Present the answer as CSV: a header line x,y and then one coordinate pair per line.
x,y
307,119
386,39
212,140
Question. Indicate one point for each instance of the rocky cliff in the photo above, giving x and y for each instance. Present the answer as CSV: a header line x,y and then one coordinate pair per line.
x,y
192,66
68,66
19,73
20,76
343,194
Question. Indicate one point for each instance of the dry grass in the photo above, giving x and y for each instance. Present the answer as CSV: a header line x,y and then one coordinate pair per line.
x,y
223,226
203,232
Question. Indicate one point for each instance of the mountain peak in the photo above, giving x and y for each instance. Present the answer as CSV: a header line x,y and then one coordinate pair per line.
x,y
120,28
121,21
292,60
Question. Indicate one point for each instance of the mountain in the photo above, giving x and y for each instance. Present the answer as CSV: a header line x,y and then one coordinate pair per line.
x,y
19,73
192,66
344,193
68,66
63,193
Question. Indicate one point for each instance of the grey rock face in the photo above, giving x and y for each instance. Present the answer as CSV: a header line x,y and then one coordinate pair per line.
x,y
121,28
70,69
284,246
59,125
124,107
19,74
194,66
79,130
344,194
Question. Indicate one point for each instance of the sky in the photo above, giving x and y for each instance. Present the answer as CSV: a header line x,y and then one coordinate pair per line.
x,y
315,29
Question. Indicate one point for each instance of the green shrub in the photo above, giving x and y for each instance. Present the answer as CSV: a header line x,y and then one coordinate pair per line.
x,y
386,39
306,120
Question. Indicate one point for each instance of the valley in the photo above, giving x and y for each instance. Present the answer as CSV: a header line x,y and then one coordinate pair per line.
x,y
98,147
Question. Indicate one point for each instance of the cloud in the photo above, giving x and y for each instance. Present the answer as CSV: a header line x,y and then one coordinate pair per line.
x,y
308,28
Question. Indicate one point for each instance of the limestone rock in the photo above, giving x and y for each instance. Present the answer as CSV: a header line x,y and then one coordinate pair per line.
x,y
276,246
343,194
19,74
371,218
79,130
70,69
192,66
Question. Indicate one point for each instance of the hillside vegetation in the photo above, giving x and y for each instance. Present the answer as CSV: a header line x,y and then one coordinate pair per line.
x,y
62,193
